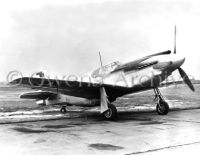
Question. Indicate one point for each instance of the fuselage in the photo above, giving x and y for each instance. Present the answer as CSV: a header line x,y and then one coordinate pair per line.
x,y
146,75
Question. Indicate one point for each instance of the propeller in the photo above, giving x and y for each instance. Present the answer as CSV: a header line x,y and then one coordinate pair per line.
x,y
181,71
175,40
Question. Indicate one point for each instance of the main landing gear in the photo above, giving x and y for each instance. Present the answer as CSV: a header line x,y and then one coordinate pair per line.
x,y
162,107
63,109
111,113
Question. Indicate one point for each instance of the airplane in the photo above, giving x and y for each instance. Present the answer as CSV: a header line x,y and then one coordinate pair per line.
x,y
105,84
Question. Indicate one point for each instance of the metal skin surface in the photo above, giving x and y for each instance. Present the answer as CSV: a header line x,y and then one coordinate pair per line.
x,y
104,84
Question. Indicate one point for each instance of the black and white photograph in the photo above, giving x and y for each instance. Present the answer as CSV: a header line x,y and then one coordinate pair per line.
x,y
99,77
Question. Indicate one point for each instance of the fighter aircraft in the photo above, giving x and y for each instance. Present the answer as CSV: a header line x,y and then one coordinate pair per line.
x,y
105,84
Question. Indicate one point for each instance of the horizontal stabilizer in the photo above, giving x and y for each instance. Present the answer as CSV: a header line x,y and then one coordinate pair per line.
x,y
38,95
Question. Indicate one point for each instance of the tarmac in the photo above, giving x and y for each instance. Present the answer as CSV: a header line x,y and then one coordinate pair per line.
x,y
31,130
76,133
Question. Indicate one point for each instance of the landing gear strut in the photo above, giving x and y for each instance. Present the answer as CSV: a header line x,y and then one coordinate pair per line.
x,y
63,109
162,107
111,113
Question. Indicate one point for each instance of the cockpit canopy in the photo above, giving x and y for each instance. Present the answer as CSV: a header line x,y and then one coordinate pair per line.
x,y
102,71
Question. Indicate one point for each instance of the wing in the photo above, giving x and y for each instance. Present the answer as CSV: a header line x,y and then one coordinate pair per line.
x,y
72,88
88,90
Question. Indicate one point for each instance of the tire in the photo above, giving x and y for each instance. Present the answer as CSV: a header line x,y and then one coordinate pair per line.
x,y
162,108
111,113
63,110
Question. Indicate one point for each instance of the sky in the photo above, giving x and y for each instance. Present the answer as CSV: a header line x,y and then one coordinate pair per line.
x,y
63,37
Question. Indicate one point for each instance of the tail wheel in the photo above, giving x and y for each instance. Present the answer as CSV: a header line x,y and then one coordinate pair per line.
x,y
111,113
63,110
162,108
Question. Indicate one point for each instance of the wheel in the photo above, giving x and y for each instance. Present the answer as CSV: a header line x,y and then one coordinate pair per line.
x,y
111,113
63,110
162,108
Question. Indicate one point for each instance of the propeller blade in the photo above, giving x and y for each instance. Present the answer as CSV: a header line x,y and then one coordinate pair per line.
x,y
161,53
186,78
134,63
175,40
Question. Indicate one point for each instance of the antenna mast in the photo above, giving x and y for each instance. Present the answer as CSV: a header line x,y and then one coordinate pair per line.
x,y
100,59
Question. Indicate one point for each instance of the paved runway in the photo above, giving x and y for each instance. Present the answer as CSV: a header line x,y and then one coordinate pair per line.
x,y
133,133
28,129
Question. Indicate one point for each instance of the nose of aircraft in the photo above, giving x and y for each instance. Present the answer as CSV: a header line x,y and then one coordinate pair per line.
x,y
176,63
170,64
